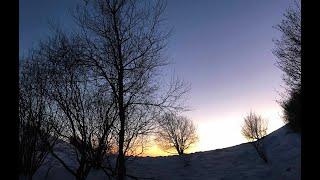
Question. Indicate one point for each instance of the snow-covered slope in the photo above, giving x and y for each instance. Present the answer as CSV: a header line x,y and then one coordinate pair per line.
x,y
282,147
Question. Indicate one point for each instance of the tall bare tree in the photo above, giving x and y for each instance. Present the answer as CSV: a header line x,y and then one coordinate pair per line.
x,y
176,132
85,112
288,52
125,40
254,129
35,118
288,47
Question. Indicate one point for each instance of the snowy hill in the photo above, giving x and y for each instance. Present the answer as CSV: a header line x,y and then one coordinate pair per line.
x,y
282,147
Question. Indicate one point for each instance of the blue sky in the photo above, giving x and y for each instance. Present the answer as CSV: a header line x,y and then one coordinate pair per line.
x,y
223,48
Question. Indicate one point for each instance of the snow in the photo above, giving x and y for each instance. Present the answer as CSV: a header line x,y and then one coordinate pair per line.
x,y
282,147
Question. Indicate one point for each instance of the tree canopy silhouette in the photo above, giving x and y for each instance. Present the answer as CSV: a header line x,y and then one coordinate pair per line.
x,y
288,47
176,132
254,129
288,52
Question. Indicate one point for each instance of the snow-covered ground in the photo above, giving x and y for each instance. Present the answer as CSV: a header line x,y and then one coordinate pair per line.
x,y
282,147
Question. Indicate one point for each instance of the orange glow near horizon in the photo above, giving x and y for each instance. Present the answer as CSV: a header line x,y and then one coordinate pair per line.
x,y
154,151
216,133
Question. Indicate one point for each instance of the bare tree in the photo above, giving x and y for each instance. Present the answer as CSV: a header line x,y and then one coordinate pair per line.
x,y
176,132
288,52
254,129
35,119
85,112
124,46
288,47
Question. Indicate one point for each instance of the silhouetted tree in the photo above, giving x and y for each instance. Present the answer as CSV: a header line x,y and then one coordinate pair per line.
x,y
124,44
292,110
288,52
288,47
116,57
254,129
35,119
176,132
85,112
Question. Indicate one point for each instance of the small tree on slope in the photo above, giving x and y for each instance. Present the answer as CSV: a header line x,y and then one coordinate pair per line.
x,y
176,132
254,129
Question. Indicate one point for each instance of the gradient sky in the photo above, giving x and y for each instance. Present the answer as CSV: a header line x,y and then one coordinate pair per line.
x,y
223,48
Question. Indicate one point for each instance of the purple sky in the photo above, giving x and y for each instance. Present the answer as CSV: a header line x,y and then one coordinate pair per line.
x,y
221,47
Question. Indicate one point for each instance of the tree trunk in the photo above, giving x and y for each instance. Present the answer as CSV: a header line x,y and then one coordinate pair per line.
x,y
30,177
83,170
82,175
121,163
259,150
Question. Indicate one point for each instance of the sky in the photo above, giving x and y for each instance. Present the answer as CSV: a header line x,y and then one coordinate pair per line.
x,y
223,48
